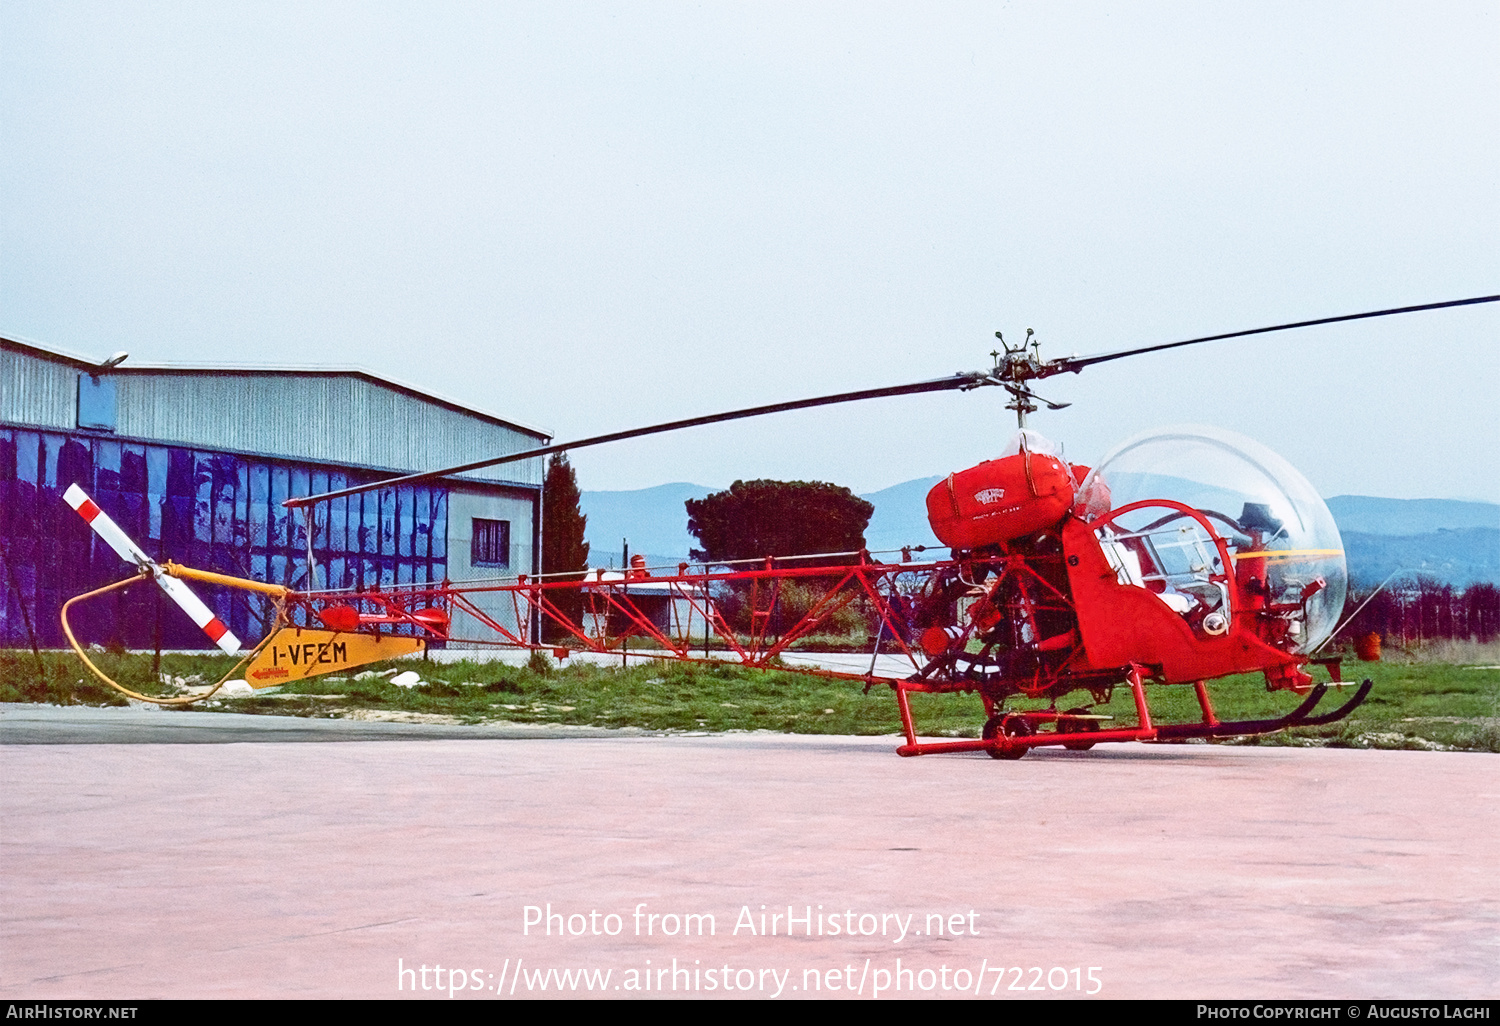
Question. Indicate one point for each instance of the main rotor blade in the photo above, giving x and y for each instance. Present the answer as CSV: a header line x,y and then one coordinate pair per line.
x,y
973,379
1077,363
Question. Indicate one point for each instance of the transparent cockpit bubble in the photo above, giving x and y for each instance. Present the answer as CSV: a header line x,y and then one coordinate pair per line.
x,y
1278,528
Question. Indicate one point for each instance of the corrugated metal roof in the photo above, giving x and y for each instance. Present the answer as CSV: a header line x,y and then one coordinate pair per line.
x,y
325,415
82,362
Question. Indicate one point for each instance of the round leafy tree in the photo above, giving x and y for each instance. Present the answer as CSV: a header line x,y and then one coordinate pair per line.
x,y
754,519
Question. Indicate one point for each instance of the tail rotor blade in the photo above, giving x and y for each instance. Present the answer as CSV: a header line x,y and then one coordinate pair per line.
x,y
106,528
130,552
201,615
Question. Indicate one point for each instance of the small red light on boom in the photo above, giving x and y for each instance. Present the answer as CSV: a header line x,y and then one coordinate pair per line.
x,y
340,618
347,619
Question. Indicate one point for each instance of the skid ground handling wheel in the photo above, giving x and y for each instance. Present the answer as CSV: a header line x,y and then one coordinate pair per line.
x,y
1007,726
1015,725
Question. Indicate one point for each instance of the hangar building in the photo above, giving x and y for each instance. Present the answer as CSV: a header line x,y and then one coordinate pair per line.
x,y
193,463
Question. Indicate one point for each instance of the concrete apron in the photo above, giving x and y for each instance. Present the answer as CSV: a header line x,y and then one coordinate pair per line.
x,y
324,870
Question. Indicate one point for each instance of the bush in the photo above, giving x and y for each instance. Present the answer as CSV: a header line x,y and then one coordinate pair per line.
x,y
794,601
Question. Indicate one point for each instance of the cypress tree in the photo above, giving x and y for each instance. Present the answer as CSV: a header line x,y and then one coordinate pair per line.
x,y
563,549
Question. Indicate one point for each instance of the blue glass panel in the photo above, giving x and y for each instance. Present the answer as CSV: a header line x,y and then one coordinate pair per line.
x,y
134,516
105,562
406,520
51,448
242,505
107,466
338,524
203,482
369,532
422,540
75,464
223,470
259,515
280,481
296,523
17,483
387,522
156,483
180,472
176,525
28,444
260,483
133,469
318,484
224,523
128,511
440,523
239,622
221,601
203,475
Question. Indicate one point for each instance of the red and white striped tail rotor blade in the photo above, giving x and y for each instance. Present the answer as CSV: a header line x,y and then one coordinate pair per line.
x,y
129,551
202,616
106,528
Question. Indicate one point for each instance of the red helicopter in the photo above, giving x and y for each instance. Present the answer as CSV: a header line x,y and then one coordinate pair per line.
x,y
1186,555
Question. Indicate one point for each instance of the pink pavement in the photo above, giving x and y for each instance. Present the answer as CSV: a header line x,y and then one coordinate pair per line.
x,y
324,870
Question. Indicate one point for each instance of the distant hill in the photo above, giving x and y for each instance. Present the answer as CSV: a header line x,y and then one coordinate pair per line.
x,y
1367,514
1447,540
1452,541
653,519
1457,557
900,516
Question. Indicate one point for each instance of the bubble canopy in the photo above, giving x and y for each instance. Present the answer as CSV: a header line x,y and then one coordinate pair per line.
x,y
1277,526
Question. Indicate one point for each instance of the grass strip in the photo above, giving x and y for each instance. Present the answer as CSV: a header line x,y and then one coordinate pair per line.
x,y
1415,704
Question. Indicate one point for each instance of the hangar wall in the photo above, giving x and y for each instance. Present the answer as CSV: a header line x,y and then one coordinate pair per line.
x,y
467,507
194,465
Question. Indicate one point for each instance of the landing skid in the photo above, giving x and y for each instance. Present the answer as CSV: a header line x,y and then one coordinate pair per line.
x,y
1012,735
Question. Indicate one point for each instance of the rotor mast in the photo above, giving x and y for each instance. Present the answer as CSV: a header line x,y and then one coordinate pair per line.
x,y
1016,365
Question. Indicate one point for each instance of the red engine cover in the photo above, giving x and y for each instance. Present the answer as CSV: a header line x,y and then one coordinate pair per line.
x,y
994,502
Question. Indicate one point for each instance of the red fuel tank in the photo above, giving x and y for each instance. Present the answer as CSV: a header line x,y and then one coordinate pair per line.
x,y
999,500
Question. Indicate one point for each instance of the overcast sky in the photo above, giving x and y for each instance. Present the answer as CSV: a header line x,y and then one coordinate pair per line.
x,y
586,217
